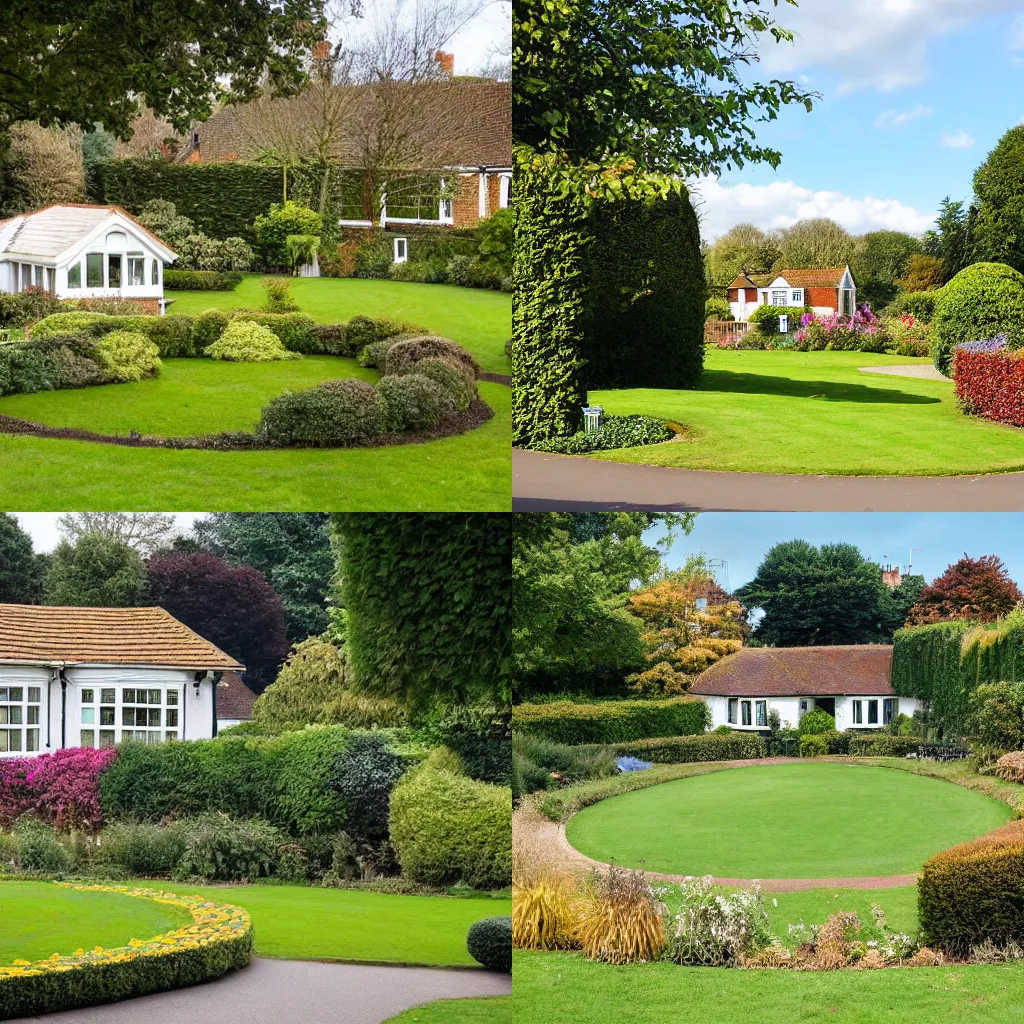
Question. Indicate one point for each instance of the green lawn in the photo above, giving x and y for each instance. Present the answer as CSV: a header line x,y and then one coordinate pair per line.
x,y
38,919
814,412
813,906
561,988
496,1010
478,319
808,820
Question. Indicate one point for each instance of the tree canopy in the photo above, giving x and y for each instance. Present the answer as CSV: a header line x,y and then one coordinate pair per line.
x,y
21,570
97,570
144,532
662,82
815,242
952,238
742,248
970,588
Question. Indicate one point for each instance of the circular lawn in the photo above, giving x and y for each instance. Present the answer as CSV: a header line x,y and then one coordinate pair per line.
x,y
808,820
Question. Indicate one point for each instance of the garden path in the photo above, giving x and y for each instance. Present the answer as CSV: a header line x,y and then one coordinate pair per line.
x,y
543,482
297,992
908,370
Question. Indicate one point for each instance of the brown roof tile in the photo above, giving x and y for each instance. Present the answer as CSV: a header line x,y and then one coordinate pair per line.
x,y
104,636
234,698
814,277
800,672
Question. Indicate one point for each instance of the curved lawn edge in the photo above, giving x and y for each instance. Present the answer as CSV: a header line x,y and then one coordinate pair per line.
x,y
218,941
458,1011
550,839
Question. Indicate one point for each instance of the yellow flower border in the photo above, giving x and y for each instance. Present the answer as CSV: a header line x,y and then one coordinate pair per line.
x,y
212,924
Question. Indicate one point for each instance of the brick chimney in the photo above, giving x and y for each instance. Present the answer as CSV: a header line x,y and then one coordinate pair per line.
x,y
321,50
447,62
892,577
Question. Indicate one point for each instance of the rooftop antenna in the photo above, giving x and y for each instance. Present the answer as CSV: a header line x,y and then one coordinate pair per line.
x,y
910,559
722,564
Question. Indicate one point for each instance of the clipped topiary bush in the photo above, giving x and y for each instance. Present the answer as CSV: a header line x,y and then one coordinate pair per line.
x,y
732,746
446,829
454,379
128,355
402,357
489,942
328,340
612,721
817,721
813,745
292,329
202,280
983,300
208,327
244,341
334,413
413,402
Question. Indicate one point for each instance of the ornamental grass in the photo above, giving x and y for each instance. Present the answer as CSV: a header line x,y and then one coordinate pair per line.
x,y
620,921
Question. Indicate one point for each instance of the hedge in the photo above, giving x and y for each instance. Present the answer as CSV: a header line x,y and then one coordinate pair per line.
x,y
489,942
926,665
202,280
610,293
990,384
171,334
612,721
219,941
736,746
51,364
448,828
974,892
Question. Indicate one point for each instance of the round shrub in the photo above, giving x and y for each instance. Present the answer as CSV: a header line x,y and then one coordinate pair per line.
x,y
273,228
128,355
244,341
446,828
489,942
331,414
455,380
813,745
981,301
135,850
920,305
73,322
208,327
817,721
404,354
413,402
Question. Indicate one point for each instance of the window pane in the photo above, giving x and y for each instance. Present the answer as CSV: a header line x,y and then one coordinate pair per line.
x,y
32,736
87,697
3,693
106,737
172,717
136,270
88,738
17,694
745,708
128,697
33,694
75,275
762,712
141,716
154,717
872,712
14,739
154,697
88,716
33,715
3,715
3,740
156,271
172,698
16,716
114,271
171,735
94,270
106,716
107,697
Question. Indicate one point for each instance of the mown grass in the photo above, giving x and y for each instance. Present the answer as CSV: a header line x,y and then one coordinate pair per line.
x,y
814,412
495,1010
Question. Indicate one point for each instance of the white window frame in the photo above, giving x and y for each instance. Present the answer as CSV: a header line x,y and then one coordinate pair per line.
x,y
131,260
890,709
858,712
156,272
873,710
798,296
505,192
23,703
400,250
732,715
746,713
761,714
94,700
103,269
77,265
776,293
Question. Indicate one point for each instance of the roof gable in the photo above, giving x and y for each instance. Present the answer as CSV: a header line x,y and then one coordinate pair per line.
x,y
809,277
234,698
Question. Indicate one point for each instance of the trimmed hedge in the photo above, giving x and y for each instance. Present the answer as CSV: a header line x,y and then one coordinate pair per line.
x,y
612,721
334,413
885,745
203,280
990,384
171,334
292,329
974,892
735,746
220,941
489,942
926,665
245,341
405,354
413,402
51,364
447,829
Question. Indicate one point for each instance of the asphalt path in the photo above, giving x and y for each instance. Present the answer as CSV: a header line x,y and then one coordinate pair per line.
x,y
295,992
543,482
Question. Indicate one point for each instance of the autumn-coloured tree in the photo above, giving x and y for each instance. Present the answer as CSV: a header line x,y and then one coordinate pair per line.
x,y
972,588
681,638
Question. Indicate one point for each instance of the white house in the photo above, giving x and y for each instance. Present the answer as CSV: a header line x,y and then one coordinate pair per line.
x,y
851,683
826,290
93,677
83,252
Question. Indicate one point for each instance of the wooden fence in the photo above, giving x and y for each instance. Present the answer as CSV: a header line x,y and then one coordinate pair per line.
x,y
724,333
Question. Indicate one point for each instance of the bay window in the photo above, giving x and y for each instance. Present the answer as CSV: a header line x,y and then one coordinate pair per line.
x,y
144,714
136,269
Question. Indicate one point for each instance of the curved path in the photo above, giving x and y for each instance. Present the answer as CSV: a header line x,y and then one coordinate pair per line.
x,y
295,992
543,482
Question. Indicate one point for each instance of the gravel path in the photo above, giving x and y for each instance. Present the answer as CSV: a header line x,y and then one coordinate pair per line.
x,y
907,370
295,992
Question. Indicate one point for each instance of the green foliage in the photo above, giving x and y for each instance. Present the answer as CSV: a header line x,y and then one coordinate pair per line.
x,y
816,722
882,256
454,380
767,318
128,355
952,240
364,775
920,305
998,230
428,606
331,415
172,334
301,249
21,570
294,330
717,309
207,328
996,715
222,849
497,238
883,745
815,242
134,850
983,300
926,665
615,432
363,332
96,571
245,341
328,340
535,758
279,295
447,829
403,356
217,262
413,402
814,744
742,248
18,309
39,849
272,229
490,943
202,280
731,746
612,721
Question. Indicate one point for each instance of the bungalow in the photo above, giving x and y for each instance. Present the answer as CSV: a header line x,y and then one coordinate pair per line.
x,y
93,677
79,251
851,683
234,701
825,290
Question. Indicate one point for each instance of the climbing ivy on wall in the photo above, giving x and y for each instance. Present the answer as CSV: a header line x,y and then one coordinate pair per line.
x,y
926,665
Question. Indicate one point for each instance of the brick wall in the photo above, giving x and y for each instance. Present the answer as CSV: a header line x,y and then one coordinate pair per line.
x,y
466,204
820,297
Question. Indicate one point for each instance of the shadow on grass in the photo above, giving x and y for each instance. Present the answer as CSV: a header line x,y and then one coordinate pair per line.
x,y
730,382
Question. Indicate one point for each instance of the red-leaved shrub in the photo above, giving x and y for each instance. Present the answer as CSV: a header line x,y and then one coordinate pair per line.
x,y
61,788
991,384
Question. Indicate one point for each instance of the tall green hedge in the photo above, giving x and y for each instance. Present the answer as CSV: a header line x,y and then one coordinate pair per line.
x,y
993,653
926,665
610,291
615,721
428,606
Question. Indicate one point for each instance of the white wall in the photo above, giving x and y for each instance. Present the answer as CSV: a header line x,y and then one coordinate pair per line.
x,y
117,242
790,711
844,711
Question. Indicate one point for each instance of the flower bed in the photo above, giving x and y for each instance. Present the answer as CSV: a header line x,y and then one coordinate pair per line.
x,y
989,380
219,940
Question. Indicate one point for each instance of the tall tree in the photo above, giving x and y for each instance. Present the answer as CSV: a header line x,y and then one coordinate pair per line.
x,y
291,549
816,242
971,588
742,248
923,273
999,190
144,532
42,166
664,82
879,258
952,238
96,570
231,606
21,570
817,596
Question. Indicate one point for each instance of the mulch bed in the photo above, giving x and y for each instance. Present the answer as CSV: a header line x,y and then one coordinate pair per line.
x,y
496,378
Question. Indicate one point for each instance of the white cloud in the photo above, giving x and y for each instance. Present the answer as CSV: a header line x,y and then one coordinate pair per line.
x,y
899,118
880,44
782,203
1017,33
958,140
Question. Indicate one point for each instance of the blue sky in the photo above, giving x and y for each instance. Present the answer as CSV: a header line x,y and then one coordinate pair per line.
x,y
742,538
914,96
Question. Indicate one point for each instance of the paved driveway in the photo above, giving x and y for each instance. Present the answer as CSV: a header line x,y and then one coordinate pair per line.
x,y
295,992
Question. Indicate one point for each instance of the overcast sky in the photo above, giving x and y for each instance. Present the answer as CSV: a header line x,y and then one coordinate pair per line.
x,y
42,526
741,539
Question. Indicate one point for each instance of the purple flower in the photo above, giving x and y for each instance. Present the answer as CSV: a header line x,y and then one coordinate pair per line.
x,y
994,344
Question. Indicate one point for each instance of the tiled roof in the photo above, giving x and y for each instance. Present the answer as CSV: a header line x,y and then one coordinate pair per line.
x,y
816,277
54,229
800,672
234,698
468,123
104,636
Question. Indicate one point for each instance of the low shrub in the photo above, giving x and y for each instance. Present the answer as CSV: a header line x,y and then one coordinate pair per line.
x,y
974,892
128,355
332,414
717,309
221,849
279,295
813,745
996,715
202,280
766,318
171,334
402,356
620,920
207,328
49,364
364,775
1010,767
989,381
714,929
134,850
616,432
244,341
292,329
539,763
447,828
817,721
733,746
18,309
459,384
489,942
920,305
413,402
612,721
364,331
326,340
39,850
